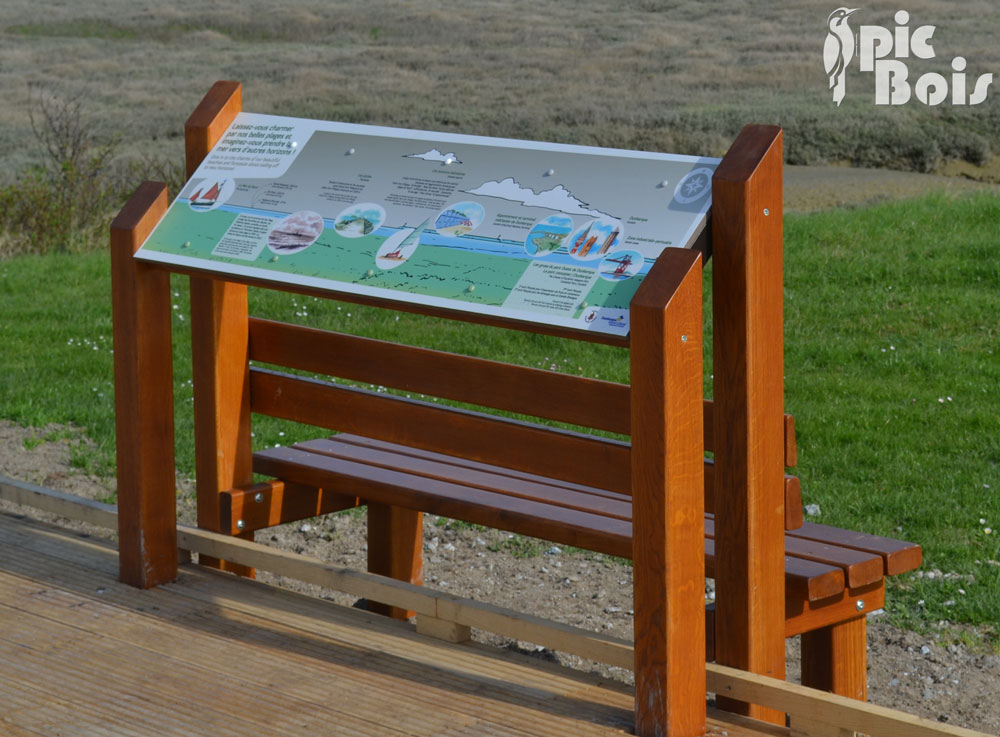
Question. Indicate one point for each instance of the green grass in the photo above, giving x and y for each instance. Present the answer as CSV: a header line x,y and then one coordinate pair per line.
x,y
891,326
891,371
58,363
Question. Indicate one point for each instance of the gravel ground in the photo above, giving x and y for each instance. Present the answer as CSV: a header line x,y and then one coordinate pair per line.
x,y
905,670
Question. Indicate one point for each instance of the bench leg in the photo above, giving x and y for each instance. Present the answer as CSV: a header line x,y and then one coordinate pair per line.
x,y
668,499
144,398
835,658
749,391
395,549
220,373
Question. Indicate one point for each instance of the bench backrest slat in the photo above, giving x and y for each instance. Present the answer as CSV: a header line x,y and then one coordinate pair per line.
x,y
574,457
577,400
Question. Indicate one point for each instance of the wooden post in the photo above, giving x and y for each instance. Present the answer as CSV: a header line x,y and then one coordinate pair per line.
x,y
144,398
219,347
395,549
835,658
668,498
749,407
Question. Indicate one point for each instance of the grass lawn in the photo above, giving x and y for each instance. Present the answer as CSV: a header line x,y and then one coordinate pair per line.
x,y
891,325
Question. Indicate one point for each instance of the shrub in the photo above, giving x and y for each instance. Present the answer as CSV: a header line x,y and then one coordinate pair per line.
x,y
62,203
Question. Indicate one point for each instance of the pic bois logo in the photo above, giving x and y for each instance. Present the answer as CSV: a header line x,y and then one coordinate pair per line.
x,y
888,53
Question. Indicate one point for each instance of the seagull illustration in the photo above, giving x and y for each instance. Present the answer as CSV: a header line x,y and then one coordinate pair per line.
x,y
838,50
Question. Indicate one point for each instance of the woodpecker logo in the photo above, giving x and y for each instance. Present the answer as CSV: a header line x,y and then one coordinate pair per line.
x,y
873,47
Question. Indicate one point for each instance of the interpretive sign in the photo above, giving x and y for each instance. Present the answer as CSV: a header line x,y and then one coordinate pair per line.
x,y
543,232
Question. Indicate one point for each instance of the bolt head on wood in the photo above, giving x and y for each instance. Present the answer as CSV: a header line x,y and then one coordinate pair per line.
x,y
258,497
240,524
860,605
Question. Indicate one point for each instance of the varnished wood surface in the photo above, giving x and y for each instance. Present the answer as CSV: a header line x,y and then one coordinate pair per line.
x,y
606,504
898,556
804,616
668,498
429,428
219,344
749,395
860,569
791,448
274,502
400,455
792,489
221,387
793,503
530,517
207,122
144,420
395,549
342,465
561,454
835,658
592,403
814,569
573,399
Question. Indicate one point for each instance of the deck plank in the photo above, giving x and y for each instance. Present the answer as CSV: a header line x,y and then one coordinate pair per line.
x,y
420,659
212,654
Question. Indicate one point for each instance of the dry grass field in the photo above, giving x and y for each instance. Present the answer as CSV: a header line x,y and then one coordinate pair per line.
x,y
678,76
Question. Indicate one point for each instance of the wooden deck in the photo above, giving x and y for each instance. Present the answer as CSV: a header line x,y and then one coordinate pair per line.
x,y
82,654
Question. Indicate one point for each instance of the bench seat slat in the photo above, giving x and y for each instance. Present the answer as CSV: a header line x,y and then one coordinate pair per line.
x,y
793,489
536,519
403,450
441,488
860,568
583,501
898,556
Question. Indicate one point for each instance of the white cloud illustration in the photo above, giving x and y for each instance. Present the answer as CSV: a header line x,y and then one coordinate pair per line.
x,y
558,198
435,155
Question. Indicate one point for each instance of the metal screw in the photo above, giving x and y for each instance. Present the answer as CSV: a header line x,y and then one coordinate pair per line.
x,y
860,605
240,524
766,212
684,339
259,497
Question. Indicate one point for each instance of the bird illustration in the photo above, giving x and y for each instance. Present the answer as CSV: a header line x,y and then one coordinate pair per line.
x,y
838,50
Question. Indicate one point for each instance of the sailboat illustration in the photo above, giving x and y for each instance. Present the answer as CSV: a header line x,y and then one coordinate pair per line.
x,y
205,199
399,246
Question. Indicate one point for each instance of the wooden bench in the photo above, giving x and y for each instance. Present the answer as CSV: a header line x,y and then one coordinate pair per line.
x,y
658,500
396,454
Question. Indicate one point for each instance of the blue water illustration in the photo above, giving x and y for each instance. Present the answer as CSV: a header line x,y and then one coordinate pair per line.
x,y
468,243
